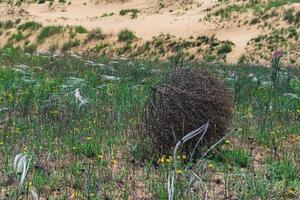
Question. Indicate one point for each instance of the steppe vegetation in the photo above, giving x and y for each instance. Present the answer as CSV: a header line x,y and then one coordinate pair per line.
x,y
87,149
73,101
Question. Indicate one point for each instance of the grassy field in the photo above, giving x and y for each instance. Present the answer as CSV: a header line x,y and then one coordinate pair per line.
x,y
87,148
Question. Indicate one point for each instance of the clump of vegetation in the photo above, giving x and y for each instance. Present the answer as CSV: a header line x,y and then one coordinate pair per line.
x,y
80,29
238,157
225,48
182,104
291,17
17,37
31,25
107,14
126,36
49,31
70,44
133,12
30,48
7,24
95,34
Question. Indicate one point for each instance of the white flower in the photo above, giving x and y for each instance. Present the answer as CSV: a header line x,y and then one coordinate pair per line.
x,y
21,166
34,194
291,95
254,79
110,78
79,98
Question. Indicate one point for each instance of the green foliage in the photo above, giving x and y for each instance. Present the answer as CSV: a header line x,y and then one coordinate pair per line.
x,y
283,170
225,48
126,36
134,12
289,15
80,29
30,48
31,25
238,157
17,37
49,31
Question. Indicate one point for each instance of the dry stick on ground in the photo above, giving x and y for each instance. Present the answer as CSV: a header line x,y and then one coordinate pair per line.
x,y
189,136
171,176
203,156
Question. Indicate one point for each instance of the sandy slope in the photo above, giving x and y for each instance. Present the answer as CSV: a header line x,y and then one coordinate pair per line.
x,y
150,22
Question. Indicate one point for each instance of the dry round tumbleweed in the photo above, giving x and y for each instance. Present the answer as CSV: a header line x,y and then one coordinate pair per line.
x,y
185,101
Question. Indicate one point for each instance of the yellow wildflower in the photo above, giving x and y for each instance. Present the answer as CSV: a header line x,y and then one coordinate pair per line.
x,y
74,195
179,171
100,157
292,192
114,162
88,138
162,160
227,142
169,159
10,97
210,166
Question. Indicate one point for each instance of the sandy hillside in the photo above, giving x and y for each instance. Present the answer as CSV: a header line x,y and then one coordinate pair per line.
x,y
183,19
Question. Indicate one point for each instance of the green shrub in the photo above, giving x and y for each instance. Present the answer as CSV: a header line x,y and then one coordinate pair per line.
x,y
289,16
133,12
80,29
17,37
126,36
225,48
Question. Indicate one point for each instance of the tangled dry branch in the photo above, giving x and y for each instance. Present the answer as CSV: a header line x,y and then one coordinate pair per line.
x,y
188,99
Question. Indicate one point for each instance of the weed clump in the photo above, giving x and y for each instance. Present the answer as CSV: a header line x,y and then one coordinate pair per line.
x,y
49,31
185,101
126,36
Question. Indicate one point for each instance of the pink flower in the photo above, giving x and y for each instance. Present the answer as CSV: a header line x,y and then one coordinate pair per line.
x,y
277,54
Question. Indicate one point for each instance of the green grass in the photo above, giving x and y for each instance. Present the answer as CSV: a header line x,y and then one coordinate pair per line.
x,y
48,31
31,25
17,37
80,29
90,152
